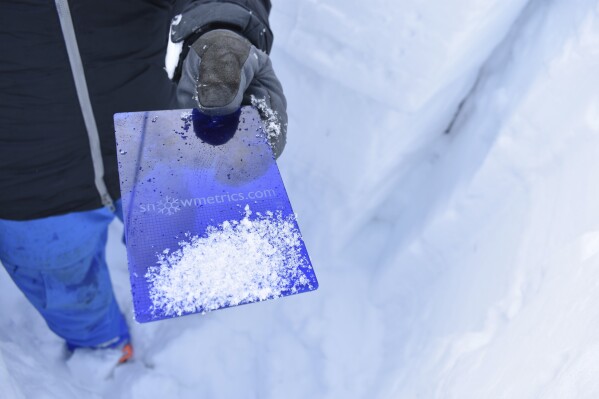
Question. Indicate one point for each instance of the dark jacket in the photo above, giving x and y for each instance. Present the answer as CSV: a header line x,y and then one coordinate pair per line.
x,y
45,162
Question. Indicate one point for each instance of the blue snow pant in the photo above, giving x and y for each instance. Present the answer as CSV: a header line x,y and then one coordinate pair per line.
x,y
59,263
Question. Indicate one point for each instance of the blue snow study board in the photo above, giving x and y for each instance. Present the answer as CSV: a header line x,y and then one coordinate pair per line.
x,y
182,172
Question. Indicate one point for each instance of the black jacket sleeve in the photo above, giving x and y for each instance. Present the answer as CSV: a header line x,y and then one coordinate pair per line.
x,y
246,17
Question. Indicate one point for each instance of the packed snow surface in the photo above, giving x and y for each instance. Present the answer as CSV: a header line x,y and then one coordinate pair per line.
x,y
451,265
235,262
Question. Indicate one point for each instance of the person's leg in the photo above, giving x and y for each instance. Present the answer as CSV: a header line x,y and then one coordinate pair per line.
x,y
59,264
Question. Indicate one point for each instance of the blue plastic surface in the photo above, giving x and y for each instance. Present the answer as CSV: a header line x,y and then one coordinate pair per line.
x,y
181,172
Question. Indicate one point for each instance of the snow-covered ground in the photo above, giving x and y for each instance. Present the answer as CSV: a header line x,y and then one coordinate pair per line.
x,y
459,265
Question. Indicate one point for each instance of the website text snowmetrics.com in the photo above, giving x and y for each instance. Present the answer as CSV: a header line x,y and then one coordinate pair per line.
x,y
209,200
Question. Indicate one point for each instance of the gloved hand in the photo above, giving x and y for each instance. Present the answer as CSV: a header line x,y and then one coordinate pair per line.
x,y
224,71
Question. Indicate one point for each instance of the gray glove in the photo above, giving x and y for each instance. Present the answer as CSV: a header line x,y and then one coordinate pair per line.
x,y
224,71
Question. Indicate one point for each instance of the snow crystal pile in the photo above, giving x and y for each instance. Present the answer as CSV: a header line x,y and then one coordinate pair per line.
x,y
236,262
272,126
